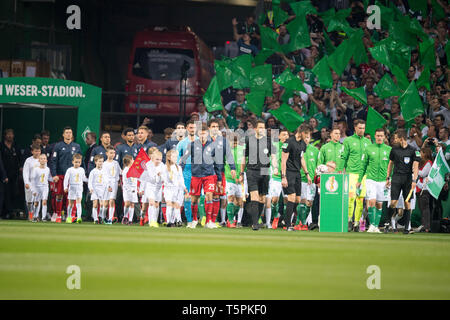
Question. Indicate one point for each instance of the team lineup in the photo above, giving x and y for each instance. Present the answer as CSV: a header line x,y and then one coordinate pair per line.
x,y
199,172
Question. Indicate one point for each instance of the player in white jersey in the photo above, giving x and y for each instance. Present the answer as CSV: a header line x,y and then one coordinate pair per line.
x,y
129,191
73,185
112,174
97,185
153,190
142,186
39,180
174,188
31,163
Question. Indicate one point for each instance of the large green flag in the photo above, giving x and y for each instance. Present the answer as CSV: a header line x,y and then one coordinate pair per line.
x,y
261,79
328,44
410,103
391,52
288,117
386,15
224,73
424,79
427,55
262,56
374,121
357,93
302,8
299,34
359,51
386,88
438,11
212,97
279,15
402,80
340,58
401,32
436,178
241,66
255,101
288,80
419,5
269,39
323,73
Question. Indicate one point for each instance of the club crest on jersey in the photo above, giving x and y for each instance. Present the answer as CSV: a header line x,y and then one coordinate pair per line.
x,y
406,160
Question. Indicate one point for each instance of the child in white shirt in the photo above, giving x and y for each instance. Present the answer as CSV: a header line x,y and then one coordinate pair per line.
x,y
73,185
97,186
112,171
31,163
39,179
153,189
129,190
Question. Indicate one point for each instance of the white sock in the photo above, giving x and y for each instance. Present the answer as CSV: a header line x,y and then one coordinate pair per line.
x,y
150,213
69,211
169,210
79,211
110,213
44,212
178,214
223,213
125,212
240,214
393,223
155,214
36,210
94,214
309,218
130,214
102,212
268,215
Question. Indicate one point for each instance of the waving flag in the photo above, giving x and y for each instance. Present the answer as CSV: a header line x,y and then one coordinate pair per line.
x,y
138,166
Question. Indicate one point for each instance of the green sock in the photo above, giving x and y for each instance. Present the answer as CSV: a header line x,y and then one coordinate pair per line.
x,y
275,208
230,212
305,214
301,209
378,213
371,214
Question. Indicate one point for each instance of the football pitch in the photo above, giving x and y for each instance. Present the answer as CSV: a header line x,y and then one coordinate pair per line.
x,y
134,262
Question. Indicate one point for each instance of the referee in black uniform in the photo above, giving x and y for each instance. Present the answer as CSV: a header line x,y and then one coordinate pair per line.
x,y
259,151
405,160
291,179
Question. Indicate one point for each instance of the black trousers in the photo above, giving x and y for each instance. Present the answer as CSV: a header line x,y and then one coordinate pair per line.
x,y
424,206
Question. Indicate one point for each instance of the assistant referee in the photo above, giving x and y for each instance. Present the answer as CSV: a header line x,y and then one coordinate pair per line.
x,y
405,160
291,179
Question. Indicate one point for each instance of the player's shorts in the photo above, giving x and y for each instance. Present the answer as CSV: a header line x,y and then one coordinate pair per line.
x,y
208,184
41,194
28,195
130,196
275,189
401,201
234,189
353,180
258,182
57,188
294,180
400,184
153,192
111,195
224,186
308,191
180,199
75,192
376,190
172,194
99,193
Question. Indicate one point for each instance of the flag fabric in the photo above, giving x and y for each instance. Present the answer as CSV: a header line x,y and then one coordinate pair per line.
x,y
262,56
438,11
400,31
269,39
212,97
427,54
224,73
255,101
410,103
418,5
391,52
241,66
340,58
386,88
323,73
374,121
303,8
436,178
402,80
288,117
357,93
138,166
261,79
288,80
299,35
424,79
328,44
386,15
359,51
279,15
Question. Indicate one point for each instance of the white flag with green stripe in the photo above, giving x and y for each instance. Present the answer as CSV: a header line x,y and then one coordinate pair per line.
x,y
436,177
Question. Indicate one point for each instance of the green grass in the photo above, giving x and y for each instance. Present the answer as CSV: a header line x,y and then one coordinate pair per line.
x,y
122,262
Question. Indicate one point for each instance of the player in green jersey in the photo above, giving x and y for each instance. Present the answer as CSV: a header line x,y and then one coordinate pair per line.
x,y
332,151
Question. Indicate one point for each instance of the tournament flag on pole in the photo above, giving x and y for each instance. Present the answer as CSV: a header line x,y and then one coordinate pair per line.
x,y
374,121
358,93
212,97
410,103
436,178
288,117
138,166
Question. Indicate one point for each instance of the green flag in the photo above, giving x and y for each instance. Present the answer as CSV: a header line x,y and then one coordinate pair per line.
x,y
391,52
288,117
374,121
328,44
262,56
400,31
288,80
323,73
418,5
255,101
299,34
241,66
302,8
436,177
269,39
288,93
359,52
224,74
438,11
426,54
386,88
410,103
402,80
424,79
312,109
386,15
212,97
279,15
358,93
340,58
261,78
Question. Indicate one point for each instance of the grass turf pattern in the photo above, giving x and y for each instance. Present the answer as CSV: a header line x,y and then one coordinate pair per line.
x,y
123,262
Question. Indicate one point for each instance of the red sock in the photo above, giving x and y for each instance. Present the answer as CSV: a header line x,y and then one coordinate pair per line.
x,y
215,209
74,210
208,210
164,212
194,208
59,205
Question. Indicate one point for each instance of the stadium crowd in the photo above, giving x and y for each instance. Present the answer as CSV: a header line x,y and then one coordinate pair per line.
x,y
174,190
